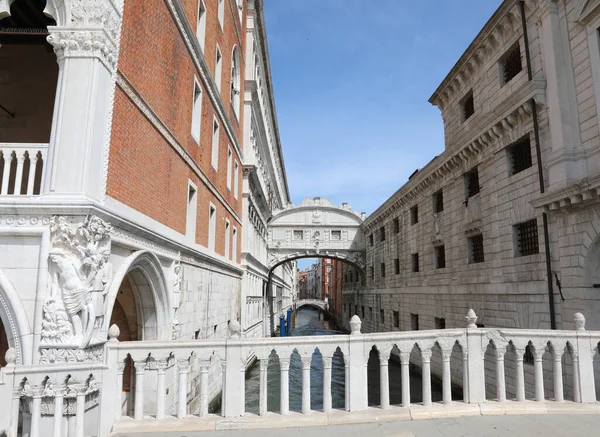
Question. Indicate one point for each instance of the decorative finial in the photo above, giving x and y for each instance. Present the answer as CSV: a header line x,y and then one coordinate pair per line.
x,y
113,333
471,318
11,356
579,320
234,329
355,325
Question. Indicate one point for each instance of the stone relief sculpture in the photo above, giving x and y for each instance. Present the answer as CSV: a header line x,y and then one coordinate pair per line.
x,y
176,300
80,276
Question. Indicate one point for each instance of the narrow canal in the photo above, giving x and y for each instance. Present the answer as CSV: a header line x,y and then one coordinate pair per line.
x,y
311,322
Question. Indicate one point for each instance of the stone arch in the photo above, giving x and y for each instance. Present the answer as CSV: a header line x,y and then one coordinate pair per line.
x,y
13,317
144,273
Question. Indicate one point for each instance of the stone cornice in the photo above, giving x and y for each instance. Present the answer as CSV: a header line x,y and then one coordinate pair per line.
x,y
584,192
502,25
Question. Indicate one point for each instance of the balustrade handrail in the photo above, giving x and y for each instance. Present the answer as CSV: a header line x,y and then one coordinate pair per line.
x,y
23,168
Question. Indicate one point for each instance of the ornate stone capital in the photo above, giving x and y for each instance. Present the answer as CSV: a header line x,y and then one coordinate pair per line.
x,y
284,364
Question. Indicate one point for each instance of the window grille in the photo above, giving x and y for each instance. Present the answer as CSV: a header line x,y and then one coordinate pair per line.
x,y
519,156
397,266
472,182
440,257
512,64
383,270
396,319
415,262
476,249
438,202
468,106
414,215
396,225
527,238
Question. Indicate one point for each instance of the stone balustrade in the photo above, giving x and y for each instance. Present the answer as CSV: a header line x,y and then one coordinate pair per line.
x,y
21,168
171,379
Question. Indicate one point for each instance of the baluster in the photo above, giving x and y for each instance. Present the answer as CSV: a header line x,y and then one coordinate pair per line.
x,y
284,364
140,368
306,361
33,159
204,366
7,161
576,387
446,377
384,380
161,367
36,410
327,363
59,393
520,381
500,377
426,375
405,363
539,374
80,409
264,366
119,409
183,367
558,377
465,357
19,173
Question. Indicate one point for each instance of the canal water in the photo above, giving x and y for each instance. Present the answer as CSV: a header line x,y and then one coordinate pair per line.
x,y
311,322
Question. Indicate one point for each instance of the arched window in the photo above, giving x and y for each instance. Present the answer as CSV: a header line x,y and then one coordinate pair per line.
x,y
235,81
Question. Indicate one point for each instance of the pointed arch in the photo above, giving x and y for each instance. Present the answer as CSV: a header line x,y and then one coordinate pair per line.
x,y
14,319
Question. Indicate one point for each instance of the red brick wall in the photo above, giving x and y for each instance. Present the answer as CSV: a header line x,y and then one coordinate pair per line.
x,y
145,172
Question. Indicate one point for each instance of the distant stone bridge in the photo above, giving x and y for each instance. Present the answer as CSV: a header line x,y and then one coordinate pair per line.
x,y
320,304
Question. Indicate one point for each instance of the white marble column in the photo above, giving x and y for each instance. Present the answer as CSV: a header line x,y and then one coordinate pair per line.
x,y
263,390
33,162
161,368
140,369
183,368
80,410
519,377
7,161
59,393
405,368
558,377
36,410
426,376
539,374
204,366
327,364
500,376
384,380
446,377
306,362
119,390
284,397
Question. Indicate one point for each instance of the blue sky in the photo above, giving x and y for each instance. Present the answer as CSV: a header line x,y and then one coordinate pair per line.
x,y
351,81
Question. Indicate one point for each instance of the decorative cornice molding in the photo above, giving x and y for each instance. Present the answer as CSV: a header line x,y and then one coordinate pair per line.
x,y
585,192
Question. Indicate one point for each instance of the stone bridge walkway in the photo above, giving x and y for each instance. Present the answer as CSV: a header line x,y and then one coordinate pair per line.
x,y
546,425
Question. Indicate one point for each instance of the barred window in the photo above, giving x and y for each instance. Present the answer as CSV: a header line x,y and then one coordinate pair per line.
x,y
440,257
396,225
476,249
414,215
415,262
438,202
511,64
519,156
472,182
527,238
382,270
397,266
467,106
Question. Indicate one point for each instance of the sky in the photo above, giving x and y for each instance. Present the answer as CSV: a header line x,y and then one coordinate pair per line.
x,y
352,80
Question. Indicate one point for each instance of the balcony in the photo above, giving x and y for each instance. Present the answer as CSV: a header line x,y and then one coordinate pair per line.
x,y
21,168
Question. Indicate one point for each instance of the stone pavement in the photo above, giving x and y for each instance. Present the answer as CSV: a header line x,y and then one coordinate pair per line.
x,y
546,425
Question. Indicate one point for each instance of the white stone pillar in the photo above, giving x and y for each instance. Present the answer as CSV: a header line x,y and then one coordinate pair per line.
x,y
7,161
119,390
306,362
426,376
475,370
405,370
583,361
263,390
183,367
558,377
161,367
576,380
500,377
204,366
465,358
33,161
346,383
284,399
539,375
15,407
357,375
59,393
36,411
384,380
140,369
519,377
80,411
446,378
327,365
19,173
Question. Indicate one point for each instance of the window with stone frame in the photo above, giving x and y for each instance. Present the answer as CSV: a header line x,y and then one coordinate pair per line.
x,y
382,266
414,215
440,256
371,272
396,225
472,183
438,201
397,266
362,312
439,322
414,322
382,233
371,240
415,262
519,156
467,106
381,316
526,238
396,319
511,64
336,235
371,313
298,235
476,249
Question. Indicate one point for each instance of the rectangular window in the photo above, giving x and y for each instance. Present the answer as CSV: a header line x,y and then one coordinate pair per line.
x,y
192,205
234,245
298,235
236,179
415,262
212,226
397,266
201,24
440,323
414,215
382,265
396,225
440,257
218,68
196,112
519,156
472,182
414,322
382,233
396,319
336,235
371,240
476,249
438,202
467,106
372,272
349,311
227,238
221,13
381,316
511,64
229,164
527,238
362,312
215,145
371,313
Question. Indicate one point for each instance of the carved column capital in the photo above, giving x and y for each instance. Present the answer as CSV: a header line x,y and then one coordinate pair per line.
x,y
306,362
284,363
140,366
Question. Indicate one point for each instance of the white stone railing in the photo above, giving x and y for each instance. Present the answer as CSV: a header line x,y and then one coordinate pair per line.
x,y
21,168
171,379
